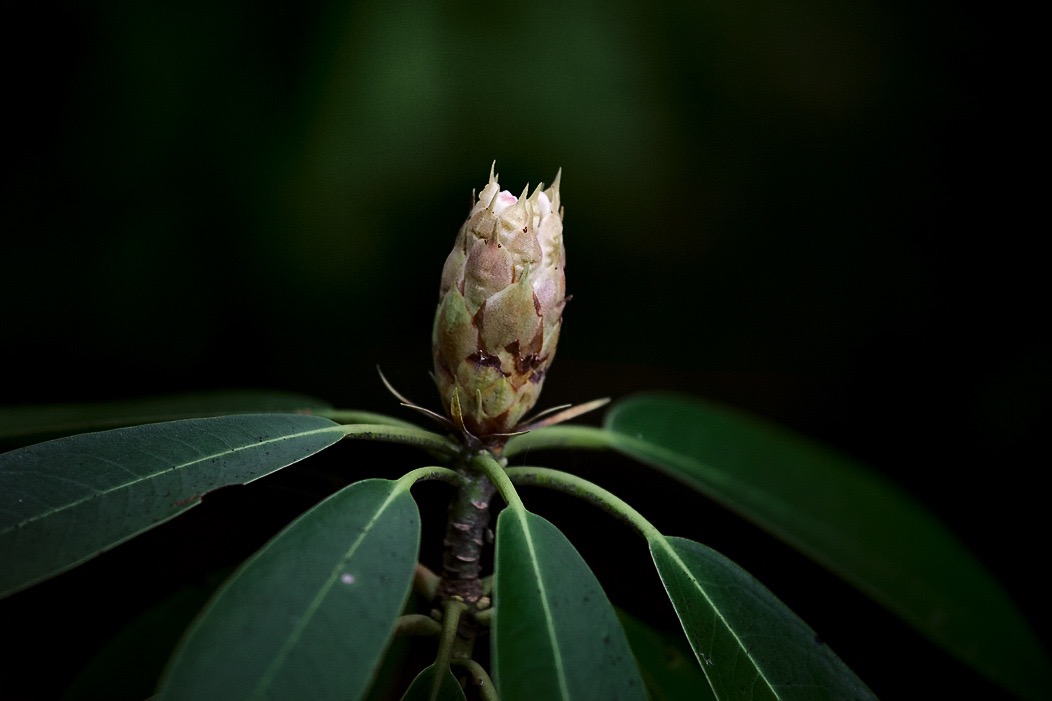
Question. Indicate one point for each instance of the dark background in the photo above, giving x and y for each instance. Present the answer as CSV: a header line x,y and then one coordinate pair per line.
x,y
815,211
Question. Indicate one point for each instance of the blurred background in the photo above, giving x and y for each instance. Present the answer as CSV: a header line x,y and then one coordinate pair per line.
x,y
807,210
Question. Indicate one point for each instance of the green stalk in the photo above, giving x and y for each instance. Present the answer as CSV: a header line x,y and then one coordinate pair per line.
x,y
350,416
433,472
416,624
488,465
583,489
480,679
425,582
451,613
407,435
582,437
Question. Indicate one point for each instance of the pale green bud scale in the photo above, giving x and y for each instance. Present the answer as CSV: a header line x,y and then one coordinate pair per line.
x,y
501,299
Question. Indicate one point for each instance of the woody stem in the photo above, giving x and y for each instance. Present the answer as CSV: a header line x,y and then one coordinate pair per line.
x,y
465,537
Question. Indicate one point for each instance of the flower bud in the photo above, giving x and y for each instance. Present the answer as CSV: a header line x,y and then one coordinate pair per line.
x,y
500,308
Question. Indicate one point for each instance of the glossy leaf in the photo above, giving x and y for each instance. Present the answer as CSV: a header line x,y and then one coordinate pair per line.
x,y
555,634
309,615
669,669
748,643
424,687
844,516
65,419
67,500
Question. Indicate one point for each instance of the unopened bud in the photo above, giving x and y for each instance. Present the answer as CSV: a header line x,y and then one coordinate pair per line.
x,y
501,301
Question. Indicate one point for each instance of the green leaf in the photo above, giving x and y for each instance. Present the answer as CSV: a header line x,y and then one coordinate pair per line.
x,y
148,639
847,518
748,643
667,665
65,501
555,634
424,687
64,419
309,615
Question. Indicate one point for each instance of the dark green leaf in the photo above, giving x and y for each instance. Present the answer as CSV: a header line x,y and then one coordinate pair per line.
x,y
424,687
309,615
390,676
64,419
148,640
555,634
668,666
747,642
845,517
66,500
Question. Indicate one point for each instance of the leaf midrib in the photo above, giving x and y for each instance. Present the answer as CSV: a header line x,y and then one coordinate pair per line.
x,y
272,669
548,619
662,542
181,466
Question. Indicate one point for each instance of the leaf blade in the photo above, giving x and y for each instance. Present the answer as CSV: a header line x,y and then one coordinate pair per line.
x,y
65,501
668,667
845,517
424,687
747,642
64,419
555,634
325,591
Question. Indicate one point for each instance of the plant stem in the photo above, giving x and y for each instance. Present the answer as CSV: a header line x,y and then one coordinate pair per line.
x,y
480,680
417,624
433,472
460,588
351,416
583,489
465,537
495,471
451,613
408,435
425,582
584,437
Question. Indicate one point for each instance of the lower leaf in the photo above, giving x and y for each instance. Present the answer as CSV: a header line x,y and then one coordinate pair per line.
x,y
667,665
555,634
434,684
748,643
310,614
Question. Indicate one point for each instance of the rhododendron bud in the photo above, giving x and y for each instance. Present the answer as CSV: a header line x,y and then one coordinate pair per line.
x,y
501,301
